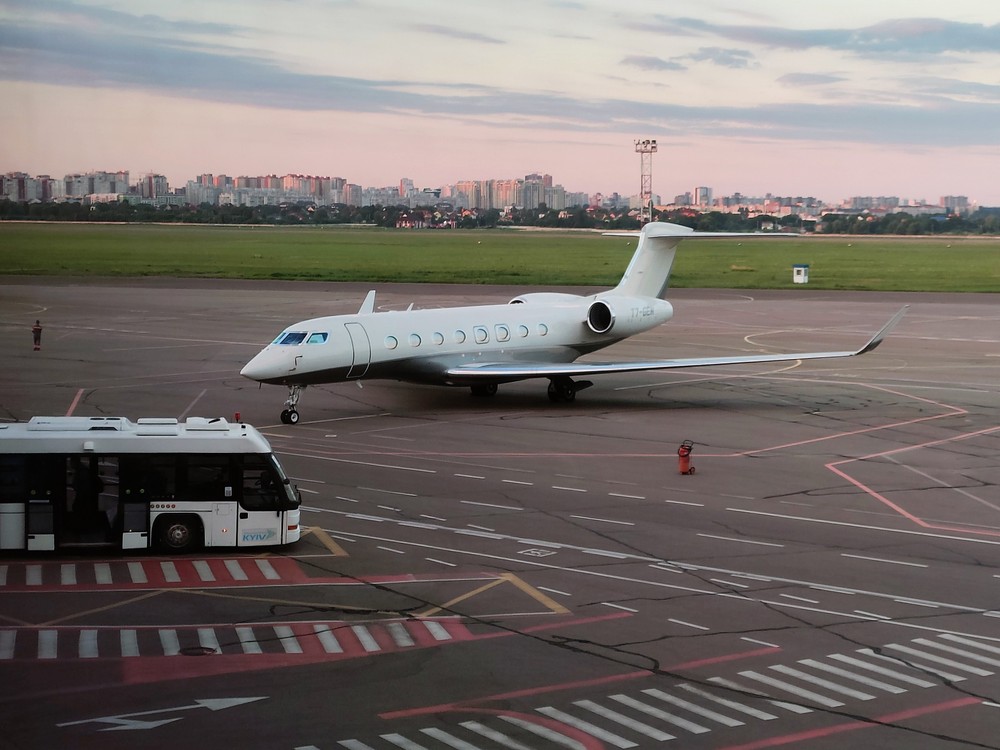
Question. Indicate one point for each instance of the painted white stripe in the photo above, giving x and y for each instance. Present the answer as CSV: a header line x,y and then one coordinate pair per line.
x,y
790,688
913,665
248,640
268,570
604,520
517,481
681,502
102,573
744,541
208,639
353,745
441,736
873,615
939,660
971,642
626,497
490,505
544,732
288,640
327,639
7,639
136,573
724,582
552,591
958,652
882,560
129,643
441,562
586,726
203,570
67,574
759,643
491,734
48,644
793,707
800,599
88,644
687,624
470,476
400,741
368,642
869,681
660,714
170,573
625,721
33,575
400,635
236,570
742,708
908,679
567,489
826,684
437,630
390,549
694,708
619,606
3,575
169,642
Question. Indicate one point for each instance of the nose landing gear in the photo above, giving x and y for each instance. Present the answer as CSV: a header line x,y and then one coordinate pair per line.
x,y
290,415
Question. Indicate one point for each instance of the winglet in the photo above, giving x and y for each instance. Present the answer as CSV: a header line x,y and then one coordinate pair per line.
x,y
368,306
883,332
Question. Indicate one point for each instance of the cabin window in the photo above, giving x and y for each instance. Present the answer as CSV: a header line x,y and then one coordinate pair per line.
x,y
437,338
502,333
522,331
391,342
291,338
459,337
317,338
542,329
482,335
414,339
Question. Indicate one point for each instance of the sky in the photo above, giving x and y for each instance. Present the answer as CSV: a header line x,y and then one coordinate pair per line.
x,y
856,97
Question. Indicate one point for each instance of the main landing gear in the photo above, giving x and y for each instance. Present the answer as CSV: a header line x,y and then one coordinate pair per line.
x,y
564,388
484,389
290,415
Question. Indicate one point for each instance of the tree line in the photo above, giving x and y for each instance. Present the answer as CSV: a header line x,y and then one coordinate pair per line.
x,y
984,221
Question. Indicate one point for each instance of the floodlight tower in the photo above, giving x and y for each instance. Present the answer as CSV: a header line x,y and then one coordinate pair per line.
x,y
646,149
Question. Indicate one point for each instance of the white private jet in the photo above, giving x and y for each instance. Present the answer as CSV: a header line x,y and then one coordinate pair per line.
x,y
535,335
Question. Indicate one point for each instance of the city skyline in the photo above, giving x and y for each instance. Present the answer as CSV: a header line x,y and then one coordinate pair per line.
x,y
891,98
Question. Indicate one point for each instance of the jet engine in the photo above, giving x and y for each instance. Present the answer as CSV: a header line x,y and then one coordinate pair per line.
x,y
600,317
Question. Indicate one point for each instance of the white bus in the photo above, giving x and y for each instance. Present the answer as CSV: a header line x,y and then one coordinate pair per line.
x,y
72,482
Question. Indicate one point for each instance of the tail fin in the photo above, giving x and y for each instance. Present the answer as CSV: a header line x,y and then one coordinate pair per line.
x,y
648,273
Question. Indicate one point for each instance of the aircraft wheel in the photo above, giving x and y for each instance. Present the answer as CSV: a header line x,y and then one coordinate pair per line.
x,y
293,416
562,390
484,389
284,417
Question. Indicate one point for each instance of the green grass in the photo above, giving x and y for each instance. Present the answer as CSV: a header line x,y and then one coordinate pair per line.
x,y
524,258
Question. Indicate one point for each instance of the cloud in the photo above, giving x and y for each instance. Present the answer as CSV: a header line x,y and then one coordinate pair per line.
x,y
910,37
810,79
453,33
648,62
727,58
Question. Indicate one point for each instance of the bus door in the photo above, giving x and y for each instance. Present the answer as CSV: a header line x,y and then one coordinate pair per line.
x,y
362,350
261,520
46,498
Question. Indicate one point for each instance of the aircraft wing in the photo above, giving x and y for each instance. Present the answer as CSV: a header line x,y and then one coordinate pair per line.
x,y
474,372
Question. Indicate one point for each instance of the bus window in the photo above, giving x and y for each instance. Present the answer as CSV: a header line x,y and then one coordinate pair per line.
x,y
207,478
261,486
148,478
12,478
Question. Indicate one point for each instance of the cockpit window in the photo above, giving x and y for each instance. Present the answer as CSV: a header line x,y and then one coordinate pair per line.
x,y
317,338
291,337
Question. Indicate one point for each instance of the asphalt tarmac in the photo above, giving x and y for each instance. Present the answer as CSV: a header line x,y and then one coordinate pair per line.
x,y
511,573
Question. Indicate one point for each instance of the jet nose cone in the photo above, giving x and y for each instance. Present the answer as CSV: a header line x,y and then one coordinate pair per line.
x,y
258,368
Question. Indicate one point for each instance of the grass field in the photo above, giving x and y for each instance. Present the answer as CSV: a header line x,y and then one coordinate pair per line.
x,y
526,258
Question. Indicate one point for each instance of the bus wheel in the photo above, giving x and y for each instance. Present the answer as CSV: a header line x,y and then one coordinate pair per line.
x,y
178,533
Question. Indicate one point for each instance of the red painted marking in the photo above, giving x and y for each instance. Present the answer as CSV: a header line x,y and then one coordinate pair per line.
x,y
833,466
813,734
72,407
